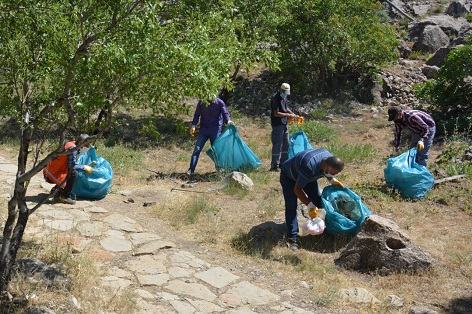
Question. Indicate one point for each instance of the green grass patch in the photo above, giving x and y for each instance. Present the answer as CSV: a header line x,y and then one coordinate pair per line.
x,y
353,153
122,158
195,207
315,131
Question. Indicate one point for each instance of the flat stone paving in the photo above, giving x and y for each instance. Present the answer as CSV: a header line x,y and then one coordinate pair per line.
x,y
167,279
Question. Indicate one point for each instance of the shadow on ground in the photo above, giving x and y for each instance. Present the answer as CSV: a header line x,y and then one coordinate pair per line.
x,y
460,305
263,238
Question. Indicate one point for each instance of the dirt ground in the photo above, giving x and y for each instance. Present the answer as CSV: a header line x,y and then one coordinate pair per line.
x,y
434,224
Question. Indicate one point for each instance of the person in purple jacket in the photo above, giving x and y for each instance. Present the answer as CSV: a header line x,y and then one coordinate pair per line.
x,y
422,127
211,115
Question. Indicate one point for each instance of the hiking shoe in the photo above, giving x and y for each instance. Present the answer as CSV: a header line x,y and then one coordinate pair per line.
x,y
292,244
274,168
65,200
189,175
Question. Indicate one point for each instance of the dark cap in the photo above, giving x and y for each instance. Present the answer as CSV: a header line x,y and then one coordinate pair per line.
x,y
393,112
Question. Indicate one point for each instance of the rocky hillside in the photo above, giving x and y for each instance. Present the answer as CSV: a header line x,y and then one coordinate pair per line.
x,y
434,28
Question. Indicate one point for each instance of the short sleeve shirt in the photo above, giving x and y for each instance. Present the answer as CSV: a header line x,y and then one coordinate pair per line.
x,y
304,167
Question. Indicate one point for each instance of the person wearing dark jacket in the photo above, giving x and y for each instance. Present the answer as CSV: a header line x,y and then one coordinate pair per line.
x,y
422,127
279,116
211,117
299,180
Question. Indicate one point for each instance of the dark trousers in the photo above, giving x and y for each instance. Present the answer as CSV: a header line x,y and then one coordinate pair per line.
x,y
291,202
280,145
66,192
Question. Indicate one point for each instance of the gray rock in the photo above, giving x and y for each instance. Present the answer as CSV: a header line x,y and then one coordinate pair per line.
x,y
431,39
421,310
239,179
380,246
458,8
430,71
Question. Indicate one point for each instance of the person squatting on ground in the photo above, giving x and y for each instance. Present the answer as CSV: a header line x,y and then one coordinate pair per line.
x,y
299,180
279,115
58,169
211,117
421,125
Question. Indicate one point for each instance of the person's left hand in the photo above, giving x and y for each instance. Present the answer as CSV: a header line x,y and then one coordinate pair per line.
x,y
335,181
420,145
88,169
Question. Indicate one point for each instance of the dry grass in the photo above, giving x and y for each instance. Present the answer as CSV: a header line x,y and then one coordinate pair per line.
x,y
229,218
225,221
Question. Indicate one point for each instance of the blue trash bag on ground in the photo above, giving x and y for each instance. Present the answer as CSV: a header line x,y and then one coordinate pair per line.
x,y
345,212
298,143
411,180
229,152
95,185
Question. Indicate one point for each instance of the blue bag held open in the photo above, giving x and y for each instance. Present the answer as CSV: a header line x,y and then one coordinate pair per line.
x,y
229,152
95,185
345,212
298,143
405,175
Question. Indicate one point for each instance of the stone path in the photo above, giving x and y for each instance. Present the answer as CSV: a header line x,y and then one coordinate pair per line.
x,y
168,279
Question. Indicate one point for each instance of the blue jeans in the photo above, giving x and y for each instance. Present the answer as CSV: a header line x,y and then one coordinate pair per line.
x,y
422,155
291,201
280,145
201,141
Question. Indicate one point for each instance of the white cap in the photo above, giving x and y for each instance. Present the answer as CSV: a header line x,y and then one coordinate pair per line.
x,y
285,87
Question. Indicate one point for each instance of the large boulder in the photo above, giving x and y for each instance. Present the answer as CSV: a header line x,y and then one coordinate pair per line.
x,y
458,8
431,39
381,247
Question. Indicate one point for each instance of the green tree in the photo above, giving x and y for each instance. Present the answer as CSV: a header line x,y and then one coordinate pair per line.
x,y
450,92
327,42
67,66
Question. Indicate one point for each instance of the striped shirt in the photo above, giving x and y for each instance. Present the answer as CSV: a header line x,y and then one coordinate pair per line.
x,y
419,122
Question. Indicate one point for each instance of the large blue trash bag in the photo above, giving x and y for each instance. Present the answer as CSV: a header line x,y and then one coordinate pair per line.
x,y
345,211
95,185
298,143
229,152
411,180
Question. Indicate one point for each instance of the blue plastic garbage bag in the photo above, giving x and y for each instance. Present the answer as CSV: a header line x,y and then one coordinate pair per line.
x,y
229,152
411,180
298,143
95,185
345,211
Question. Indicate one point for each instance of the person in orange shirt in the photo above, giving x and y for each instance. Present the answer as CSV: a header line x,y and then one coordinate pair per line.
x,y
58,169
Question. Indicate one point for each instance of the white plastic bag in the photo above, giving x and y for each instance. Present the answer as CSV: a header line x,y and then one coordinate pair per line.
x,y
313,226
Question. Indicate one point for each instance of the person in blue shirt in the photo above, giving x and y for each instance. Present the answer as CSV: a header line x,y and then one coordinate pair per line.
x,y
422,127
211,115
299,180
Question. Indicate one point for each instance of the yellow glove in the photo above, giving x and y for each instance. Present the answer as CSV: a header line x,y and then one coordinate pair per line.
x,y
420,145
88,169
290,120
300,120
192,131
335,181
312,210
231,122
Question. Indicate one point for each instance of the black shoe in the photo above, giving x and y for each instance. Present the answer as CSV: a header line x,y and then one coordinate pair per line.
x,y
274,168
